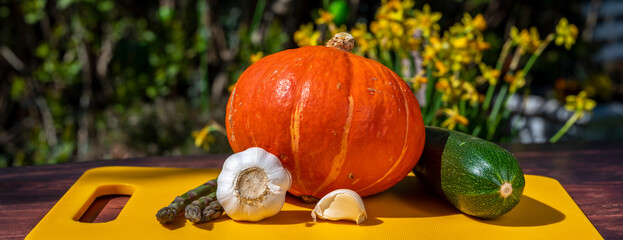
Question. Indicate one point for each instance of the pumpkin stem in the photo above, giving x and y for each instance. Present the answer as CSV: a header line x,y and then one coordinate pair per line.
x,y
343,41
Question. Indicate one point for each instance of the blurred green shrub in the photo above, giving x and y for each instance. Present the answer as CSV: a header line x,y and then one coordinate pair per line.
x,y
87,79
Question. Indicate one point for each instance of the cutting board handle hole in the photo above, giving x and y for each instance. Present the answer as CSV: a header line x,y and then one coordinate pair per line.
x,y
105,204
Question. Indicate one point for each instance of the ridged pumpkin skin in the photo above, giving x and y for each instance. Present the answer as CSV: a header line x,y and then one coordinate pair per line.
x,y
334,119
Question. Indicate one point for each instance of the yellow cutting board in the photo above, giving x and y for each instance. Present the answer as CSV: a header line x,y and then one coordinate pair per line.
x,y
406,211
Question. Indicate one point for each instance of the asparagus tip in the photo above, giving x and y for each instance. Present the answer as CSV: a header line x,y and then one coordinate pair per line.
x,y
211,215
165,215
213,211
193,213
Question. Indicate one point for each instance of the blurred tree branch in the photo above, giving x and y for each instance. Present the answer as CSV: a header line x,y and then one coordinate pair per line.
x,y
11,58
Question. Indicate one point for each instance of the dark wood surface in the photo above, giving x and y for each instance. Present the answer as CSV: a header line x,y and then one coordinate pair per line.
x,y
592,173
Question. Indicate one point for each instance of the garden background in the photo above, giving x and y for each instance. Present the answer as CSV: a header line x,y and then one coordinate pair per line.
x,y
104,79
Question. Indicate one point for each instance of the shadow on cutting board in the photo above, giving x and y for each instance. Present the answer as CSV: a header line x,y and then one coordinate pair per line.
x,y
528,213
407,199
210,225
412,199
178,222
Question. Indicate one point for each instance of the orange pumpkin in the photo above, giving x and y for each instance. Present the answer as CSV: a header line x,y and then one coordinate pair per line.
x,y
334,119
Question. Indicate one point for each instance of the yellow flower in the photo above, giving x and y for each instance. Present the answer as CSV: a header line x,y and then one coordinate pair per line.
x,y
489,74
454,118
463,43
479,44
528,40
580,103
306,36
393,9
458,57
518,38
427,21
535,39
460,42
377,27
566,33
429,54
478,23
469,93
442,69
365,41
205,137
442,85
396,29
359,31
388,34
418,80
382,31
516,81
431,49
450,88
256,57
324,17
413,43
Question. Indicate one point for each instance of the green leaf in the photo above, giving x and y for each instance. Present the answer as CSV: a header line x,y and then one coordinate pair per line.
x,y
172,70
148,36
74,68
153,59
151,92
33,10
42,50
165,13
32,18
63,152
164,90
105,6
161,77
49,66
17,88
62,4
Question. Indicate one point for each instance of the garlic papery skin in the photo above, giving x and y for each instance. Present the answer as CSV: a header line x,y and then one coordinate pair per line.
x,y
341,204
252,185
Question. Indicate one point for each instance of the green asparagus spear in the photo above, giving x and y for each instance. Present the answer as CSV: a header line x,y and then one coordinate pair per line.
x,y
168,213
193,211
213,211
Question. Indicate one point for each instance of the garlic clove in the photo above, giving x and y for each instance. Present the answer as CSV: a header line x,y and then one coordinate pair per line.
x,y
341,204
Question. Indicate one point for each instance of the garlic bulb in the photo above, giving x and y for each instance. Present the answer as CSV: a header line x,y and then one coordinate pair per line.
x,y
341,204
252,185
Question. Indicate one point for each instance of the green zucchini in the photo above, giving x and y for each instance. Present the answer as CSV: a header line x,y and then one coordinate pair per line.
x,y
479,178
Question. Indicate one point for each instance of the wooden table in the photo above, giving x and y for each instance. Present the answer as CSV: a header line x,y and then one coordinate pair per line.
x,y
592,173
